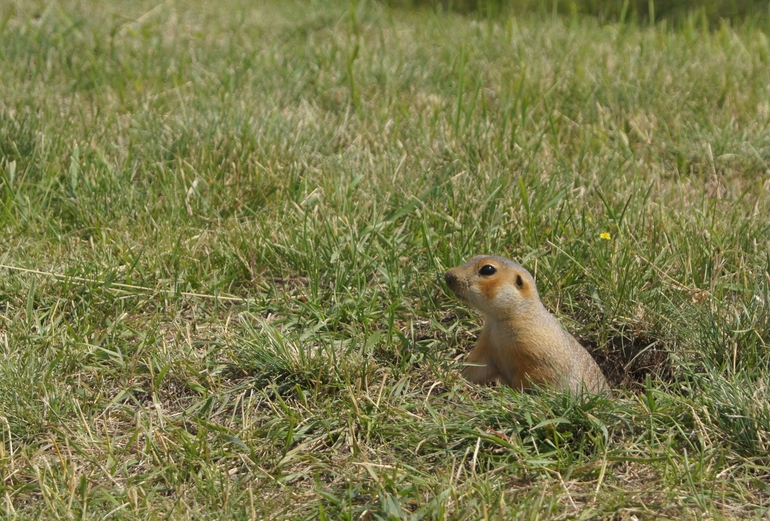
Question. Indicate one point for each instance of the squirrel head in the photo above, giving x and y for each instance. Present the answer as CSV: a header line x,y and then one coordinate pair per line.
x,y
497,287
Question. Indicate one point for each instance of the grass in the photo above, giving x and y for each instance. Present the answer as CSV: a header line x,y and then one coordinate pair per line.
x,y
223,233
708,12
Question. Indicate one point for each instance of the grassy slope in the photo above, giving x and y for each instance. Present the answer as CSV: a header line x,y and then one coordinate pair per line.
x,y
327,166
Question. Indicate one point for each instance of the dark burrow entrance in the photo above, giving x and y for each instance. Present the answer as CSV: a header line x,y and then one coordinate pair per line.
x,y
627,361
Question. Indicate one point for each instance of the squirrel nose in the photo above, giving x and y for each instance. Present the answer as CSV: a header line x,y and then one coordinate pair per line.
x,y
450,278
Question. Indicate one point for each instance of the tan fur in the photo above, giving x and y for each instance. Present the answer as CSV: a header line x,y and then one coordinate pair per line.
x,y
521,343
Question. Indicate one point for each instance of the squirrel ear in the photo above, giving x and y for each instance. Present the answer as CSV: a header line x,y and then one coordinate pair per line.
x,y
519,281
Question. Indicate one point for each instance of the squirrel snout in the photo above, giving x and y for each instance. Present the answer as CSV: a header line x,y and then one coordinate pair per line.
x,y
450,278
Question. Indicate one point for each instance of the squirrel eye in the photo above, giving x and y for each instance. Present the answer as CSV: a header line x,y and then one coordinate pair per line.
x,y
519,281
487,269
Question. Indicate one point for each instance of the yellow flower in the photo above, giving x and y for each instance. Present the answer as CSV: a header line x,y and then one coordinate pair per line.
x,y
605,236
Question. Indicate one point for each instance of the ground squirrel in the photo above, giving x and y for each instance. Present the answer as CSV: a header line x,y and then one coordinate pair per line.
x,y
521,343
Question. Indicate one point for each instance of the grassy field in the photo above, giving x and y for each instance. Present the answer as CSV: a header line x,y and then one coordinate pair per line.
x,y
678,12
224,229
